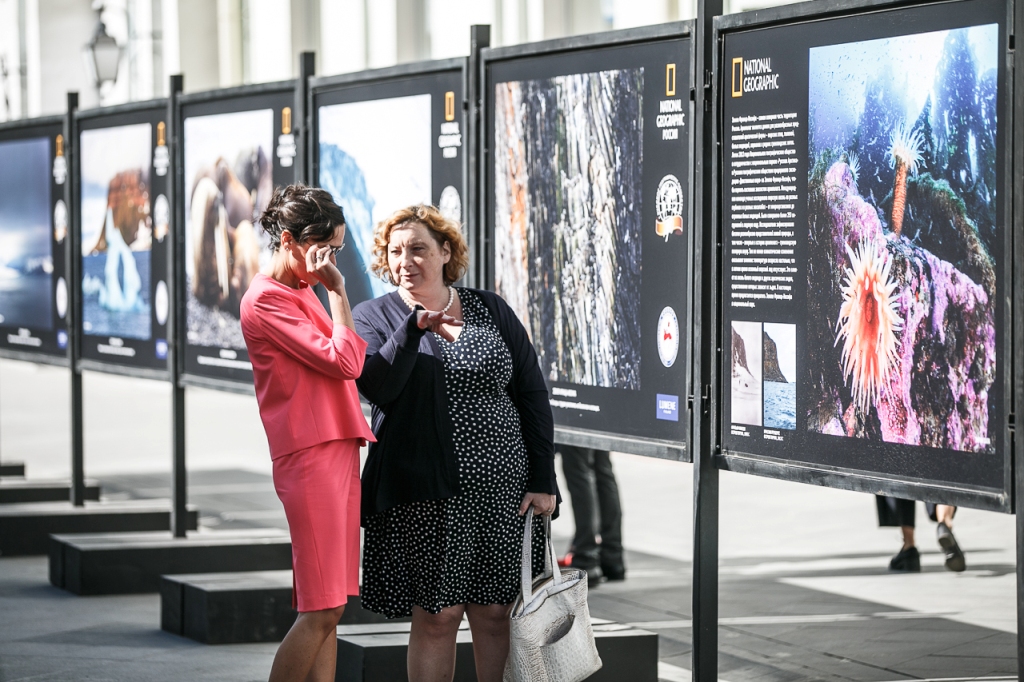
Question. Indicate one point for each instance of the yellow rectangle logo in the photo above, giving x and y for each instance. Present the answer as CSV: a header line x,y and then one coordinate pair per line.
x,y
286,120
737,77
449,106
670,80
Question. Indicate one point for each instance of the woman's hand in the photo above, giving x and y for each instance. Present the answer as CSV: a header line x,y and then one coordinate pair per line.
x,y
434,321
543,504
320,264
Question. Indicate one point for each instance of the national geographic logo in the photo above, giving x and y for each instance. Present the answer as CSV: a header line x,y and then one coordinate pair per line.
x,y
753,75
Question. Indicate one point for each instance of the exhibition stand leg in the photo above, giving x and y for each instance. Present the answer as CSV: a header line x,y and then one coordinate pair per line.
x,y
704,656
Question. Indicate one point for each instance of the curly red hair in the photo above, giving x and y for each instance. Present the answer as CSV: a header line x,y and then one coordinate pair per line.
x,y
443,230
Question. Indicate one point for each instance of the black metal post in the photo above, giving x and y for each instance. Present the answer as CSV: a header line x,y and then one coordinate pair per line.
x,y
474,191
73,267
704,595
302,120
1017,234
176,321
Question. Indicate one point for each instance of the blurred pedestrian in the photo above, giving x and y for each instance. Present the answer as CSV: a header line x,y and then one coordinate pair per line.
x,y
304,366
898,512
594,493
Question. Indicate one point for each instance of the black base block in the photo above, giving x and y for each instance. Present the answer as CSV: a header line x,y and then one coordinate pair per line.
x,y
378,652
16,492
25,528
232,608
367,653
127,563
12,469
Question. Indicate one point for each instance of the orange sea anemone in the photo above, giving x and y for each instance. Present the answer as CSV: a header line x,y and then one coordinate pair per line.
x,y
905,156
868,323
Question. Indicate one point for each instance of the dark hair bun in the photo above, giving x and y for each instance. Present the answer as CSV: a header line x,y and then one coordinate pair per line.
x,y
309,214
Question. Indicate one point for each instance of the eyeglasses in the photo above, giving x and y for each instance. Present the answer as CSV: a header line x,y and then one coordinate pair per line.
x,y
336,250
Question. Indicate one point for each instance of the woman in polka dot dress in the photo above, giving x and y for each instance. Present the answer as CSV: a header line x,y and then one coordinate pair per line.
x,y
464,447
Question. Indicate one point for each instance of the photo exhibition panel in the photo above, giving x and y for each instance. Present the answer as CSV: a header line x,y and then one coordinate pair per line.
x,y
33,229
382,146
236,151
124,219
589,207
864,206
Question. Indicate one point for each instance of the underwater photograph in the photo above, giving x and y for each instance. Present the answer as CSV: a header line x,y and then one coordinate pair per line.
x,y
229,180
374,160
901,335
117,231
568,155
26,255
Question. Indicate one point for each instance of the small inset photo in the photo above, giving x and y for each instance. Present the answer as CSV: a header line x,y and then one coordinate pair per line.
x,y
746,373
779,355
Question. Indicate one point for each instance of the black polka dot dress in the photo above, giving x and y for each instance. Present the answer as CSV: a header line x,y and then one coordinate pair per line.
x,y
466,549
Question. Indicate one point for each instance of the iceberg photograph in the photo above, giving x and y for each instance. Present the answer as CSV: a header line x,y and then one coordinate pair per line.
x,y
902,188
117,231
747,374
779,388
374,160
26,250
568,162
229,181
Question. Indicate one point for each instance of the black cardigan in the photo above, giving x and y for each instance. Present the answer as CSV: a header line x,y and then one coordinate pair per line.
x,y
403,378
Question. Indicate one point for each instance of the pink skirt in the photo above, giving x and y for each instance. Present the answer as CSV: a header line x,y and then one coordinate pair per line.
x,y
319,487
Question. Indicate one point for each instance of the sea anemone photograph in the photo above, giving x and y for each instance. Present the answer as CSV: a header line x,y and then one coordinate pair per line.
x,y
901,334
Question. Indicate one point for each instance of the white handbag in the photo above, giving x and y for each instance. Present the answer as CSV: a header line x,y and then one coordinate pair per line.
x,y
551,636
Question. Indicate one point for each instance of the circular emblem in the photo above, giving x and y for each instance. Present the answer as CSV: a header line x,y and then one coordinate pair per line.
x,y
60,220
61,296
450,204
668,205
161,302
161,218
668,336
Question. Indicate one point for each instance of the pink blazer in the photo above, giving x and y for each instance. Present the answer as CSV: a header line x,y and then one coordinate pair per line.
x,y
304,367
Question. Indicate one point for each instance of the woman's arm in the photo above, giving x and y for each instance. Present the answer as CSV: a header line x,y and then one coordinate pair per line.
x,y
339,356
390,358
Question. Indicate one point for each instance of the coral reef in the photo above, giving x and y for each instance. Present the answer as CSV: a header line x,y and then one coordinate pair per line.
x,y
937,394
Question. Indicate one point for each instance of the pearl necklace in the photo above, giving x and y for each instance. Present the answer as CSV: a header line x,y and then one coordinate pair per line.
x,y
412,304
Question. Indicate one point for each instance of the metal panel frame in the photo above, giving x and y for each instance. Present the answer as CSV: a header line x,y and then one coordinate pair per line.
x,y
326,84
17,126
845,478
157,106
185,378
484,254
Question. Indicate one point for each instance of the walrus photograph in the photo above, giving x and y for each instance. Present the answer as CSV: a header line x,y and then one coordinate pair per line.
x,y
229,180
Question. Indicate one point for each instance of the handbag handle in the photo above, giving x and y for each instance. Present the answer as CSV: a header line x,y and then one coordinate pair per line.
x,y
550,560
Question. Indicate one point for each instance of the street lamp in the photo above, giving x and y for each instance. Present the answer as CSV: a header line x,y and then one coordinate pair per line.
x,y
104,54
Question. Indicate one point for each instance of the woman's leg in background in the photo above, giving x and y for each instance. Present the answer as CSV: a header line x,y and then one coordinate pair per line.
x,y
302,655
432,644
490,626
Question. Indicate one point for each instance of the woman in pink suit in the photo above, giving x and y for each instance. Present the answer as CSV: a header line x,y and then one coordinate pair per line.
x,y
304,364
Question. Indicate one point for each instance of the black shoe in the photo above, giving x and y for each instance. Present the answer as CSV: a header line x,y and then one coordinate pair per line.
x,y
954,556
907,561
614,572
594,574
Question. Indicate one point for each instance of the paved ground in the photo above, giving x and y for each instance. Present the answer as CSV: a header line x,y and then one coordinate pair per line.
x,y
804,590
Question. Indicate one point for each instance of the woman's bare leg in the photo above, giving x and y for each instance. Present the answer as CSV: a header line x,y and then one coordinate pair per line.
x,y
326,660
303,646
432,644
490,626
